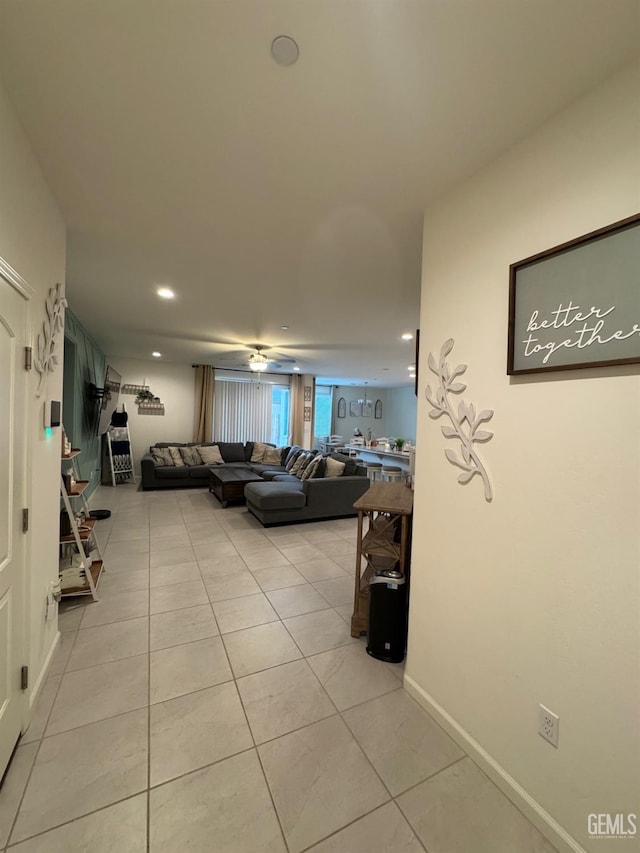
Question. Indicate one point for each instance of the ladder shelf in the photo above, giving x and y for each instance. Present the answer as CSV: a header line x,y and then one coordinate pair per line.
x,y
79,572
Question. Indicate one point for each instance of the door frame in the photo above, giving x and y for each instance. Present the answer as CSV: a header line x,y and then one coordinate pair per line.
x,y
13,278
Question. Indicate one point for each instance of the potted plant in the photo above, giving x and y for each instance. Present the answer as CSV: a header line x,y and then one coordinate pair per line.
x,y
399,444
144,396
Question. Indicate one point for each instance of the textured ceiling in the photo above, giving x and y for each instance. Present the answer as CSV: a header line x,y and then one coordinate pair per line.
x,y
181,154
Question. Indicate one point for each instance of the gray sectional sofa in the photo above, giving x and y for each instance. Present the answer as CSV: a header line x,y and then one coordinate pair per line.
x,y
279,497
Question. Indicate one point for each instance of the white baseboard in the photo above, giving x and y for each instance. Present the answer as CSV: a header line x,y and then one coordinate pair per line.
x,y
532,810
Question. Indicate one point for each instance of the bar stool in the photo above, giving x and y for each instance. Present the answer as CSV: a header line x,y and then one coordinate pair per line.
x,y
391,473
374,470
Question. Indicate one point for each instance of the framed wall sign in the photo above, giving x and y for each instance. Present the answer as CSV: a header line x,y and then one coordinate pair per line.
x,y
355,409
578,304
367,409
342,408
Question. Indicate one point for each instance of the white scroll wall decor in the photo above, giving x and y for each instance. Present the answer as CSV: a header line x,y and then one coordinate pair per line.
x,y
46,360
465,422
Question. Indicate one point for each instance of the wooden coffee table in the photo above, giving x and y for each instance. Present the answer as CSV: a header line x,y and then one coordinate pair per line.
x,y
227,484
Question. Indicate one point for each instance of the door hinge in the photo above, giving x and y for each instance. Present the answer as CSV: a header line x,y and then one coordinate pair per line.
x,y
25,520
28,356
24,677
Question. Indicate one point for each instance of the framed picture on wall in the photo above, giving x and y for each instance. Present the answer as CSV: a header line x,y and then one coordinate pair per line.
x,y
342,408
378,410
355,409
577,305
367,409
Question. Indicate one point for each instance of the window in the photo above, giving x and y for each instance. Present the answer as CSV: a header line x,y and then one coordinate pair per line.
x,y
279,415
324,401
246,410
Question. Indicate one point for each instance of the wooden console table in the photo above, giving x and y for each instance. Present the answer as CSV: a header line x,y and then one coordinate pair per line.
x,y
384,544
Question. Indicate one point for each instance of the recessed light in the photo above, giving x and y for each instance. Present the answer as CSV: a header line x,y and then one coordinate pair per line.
x,y
407,336
165,293
412,376
296,368
284,50
411,367
156,354
284,327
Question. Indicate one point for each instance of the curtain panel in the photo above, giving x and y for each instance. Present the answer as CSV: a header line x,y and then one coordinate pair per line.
x,y
203,412
296,424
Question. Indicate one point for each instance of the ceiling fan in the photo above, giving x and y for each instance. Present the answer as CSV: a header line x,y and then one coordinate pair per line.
x,y
255,359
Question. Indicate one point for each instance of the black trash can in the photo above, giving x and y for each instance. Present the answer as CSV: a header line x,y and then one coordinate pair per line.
x,y
387,631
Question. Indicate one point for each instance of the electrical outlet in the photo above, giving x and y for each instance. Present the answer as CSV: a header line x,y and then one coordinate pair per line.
x,y
548,724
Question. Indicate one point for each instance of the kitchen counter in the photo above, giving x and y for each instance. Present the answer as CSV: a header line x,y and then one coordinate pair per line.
x,y
377,454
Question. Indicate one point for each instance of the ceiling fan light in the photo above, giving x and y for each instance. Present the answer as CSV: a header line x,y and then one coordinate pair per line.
x,y
258,362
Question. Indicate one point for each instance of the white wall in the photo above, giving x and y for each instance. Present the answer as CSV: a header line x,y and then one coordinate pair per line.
x,y
535,597
399,412
32,241
175,385
402,413
346,426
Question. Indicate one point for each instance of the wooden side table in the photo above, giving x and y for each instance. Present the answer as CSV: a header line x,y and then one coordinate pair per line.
x,y
384,541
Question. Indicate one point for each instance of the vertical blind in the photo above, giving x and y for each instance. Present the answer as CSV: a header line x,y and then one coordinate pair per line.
x,y
242,411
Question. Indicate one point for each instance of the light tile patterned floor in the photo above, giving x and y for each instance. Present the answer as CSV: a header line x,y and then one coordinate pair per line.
x,y
214,700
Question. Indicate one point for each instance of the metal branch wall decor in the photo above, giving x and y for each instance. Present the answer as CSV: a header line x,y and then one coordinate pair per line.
x,y
465,422
46,359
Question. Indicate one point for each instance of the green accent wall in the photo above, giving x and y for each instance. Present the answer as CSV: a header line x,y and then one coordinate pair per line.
x,y
84,363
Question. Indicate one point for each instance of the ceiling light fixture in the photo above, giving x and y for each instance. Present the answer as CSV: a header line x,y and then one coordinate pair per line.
x,y
284,50
156,354
411,367
258,362
296,369
284,327
412,376
363,401
407,336
165,293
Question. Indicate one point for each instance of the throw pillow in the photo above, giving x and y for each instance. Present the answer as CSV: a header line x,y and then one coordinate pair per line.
x,y
318,474
190,455
210,455
293,458
285,453
272,456
178,461
311,468
161,455
300,464
333,468
259,450
290,456
350,464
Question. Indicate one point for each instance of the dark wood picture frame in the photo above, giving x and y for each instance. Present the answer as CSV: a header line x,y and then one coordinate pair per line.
x,y
342,408
377,412
589,287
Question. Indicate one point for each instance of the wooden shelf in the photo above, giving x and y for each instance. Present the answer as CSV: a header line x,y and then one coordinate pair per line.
x,y
379,545
74,452
386,509
78,488
85,530
96,570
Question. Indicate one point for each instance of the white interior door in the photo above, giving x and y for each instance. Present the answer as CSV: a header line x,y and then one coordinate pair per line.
x,y
13,314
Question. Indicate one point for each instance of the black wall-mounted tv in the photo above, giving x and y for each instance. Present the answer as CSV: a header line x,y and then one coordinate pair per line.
x,y
110,398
